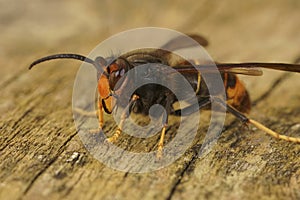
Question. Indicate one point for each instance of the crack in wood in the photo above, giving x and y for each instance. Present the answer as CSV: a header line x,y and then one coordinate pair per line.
x,y
59,152
34,104
76,182
13,127
181,175
274,85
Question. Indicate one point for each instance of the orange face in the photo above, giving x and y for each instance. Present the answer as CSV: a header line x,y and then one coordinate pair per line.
x,y
107,84
104,91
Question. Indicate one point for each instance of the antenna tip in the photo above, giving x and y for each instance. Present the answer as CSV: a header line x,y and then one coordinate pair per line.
x,y
32,65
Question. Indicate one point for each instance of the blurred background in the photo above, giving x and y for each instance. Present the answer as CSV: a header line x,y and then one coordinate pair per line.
x,y
237,30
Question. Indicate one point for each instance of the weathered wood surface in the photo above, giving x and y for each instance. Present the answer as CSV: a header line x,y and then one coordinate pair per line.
x,y
41,155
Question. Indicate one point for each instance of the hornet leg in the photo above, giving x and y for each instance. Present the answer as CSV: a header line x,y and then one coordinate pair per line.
x,y
124,115
258,125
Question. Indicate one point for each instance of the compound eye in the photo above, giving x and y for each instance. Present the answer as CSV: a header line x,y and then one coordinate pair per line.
x,y
117,70
115,77
120,73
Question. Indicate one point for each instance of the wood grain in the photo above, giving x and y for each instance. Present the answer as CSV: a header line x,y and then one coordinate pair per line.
x,y
41,153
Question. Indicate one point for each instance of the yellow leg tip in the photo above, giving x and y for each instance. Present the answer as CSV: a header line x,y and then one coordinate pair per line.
x,y
115,137
159,153
273,133
110,140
